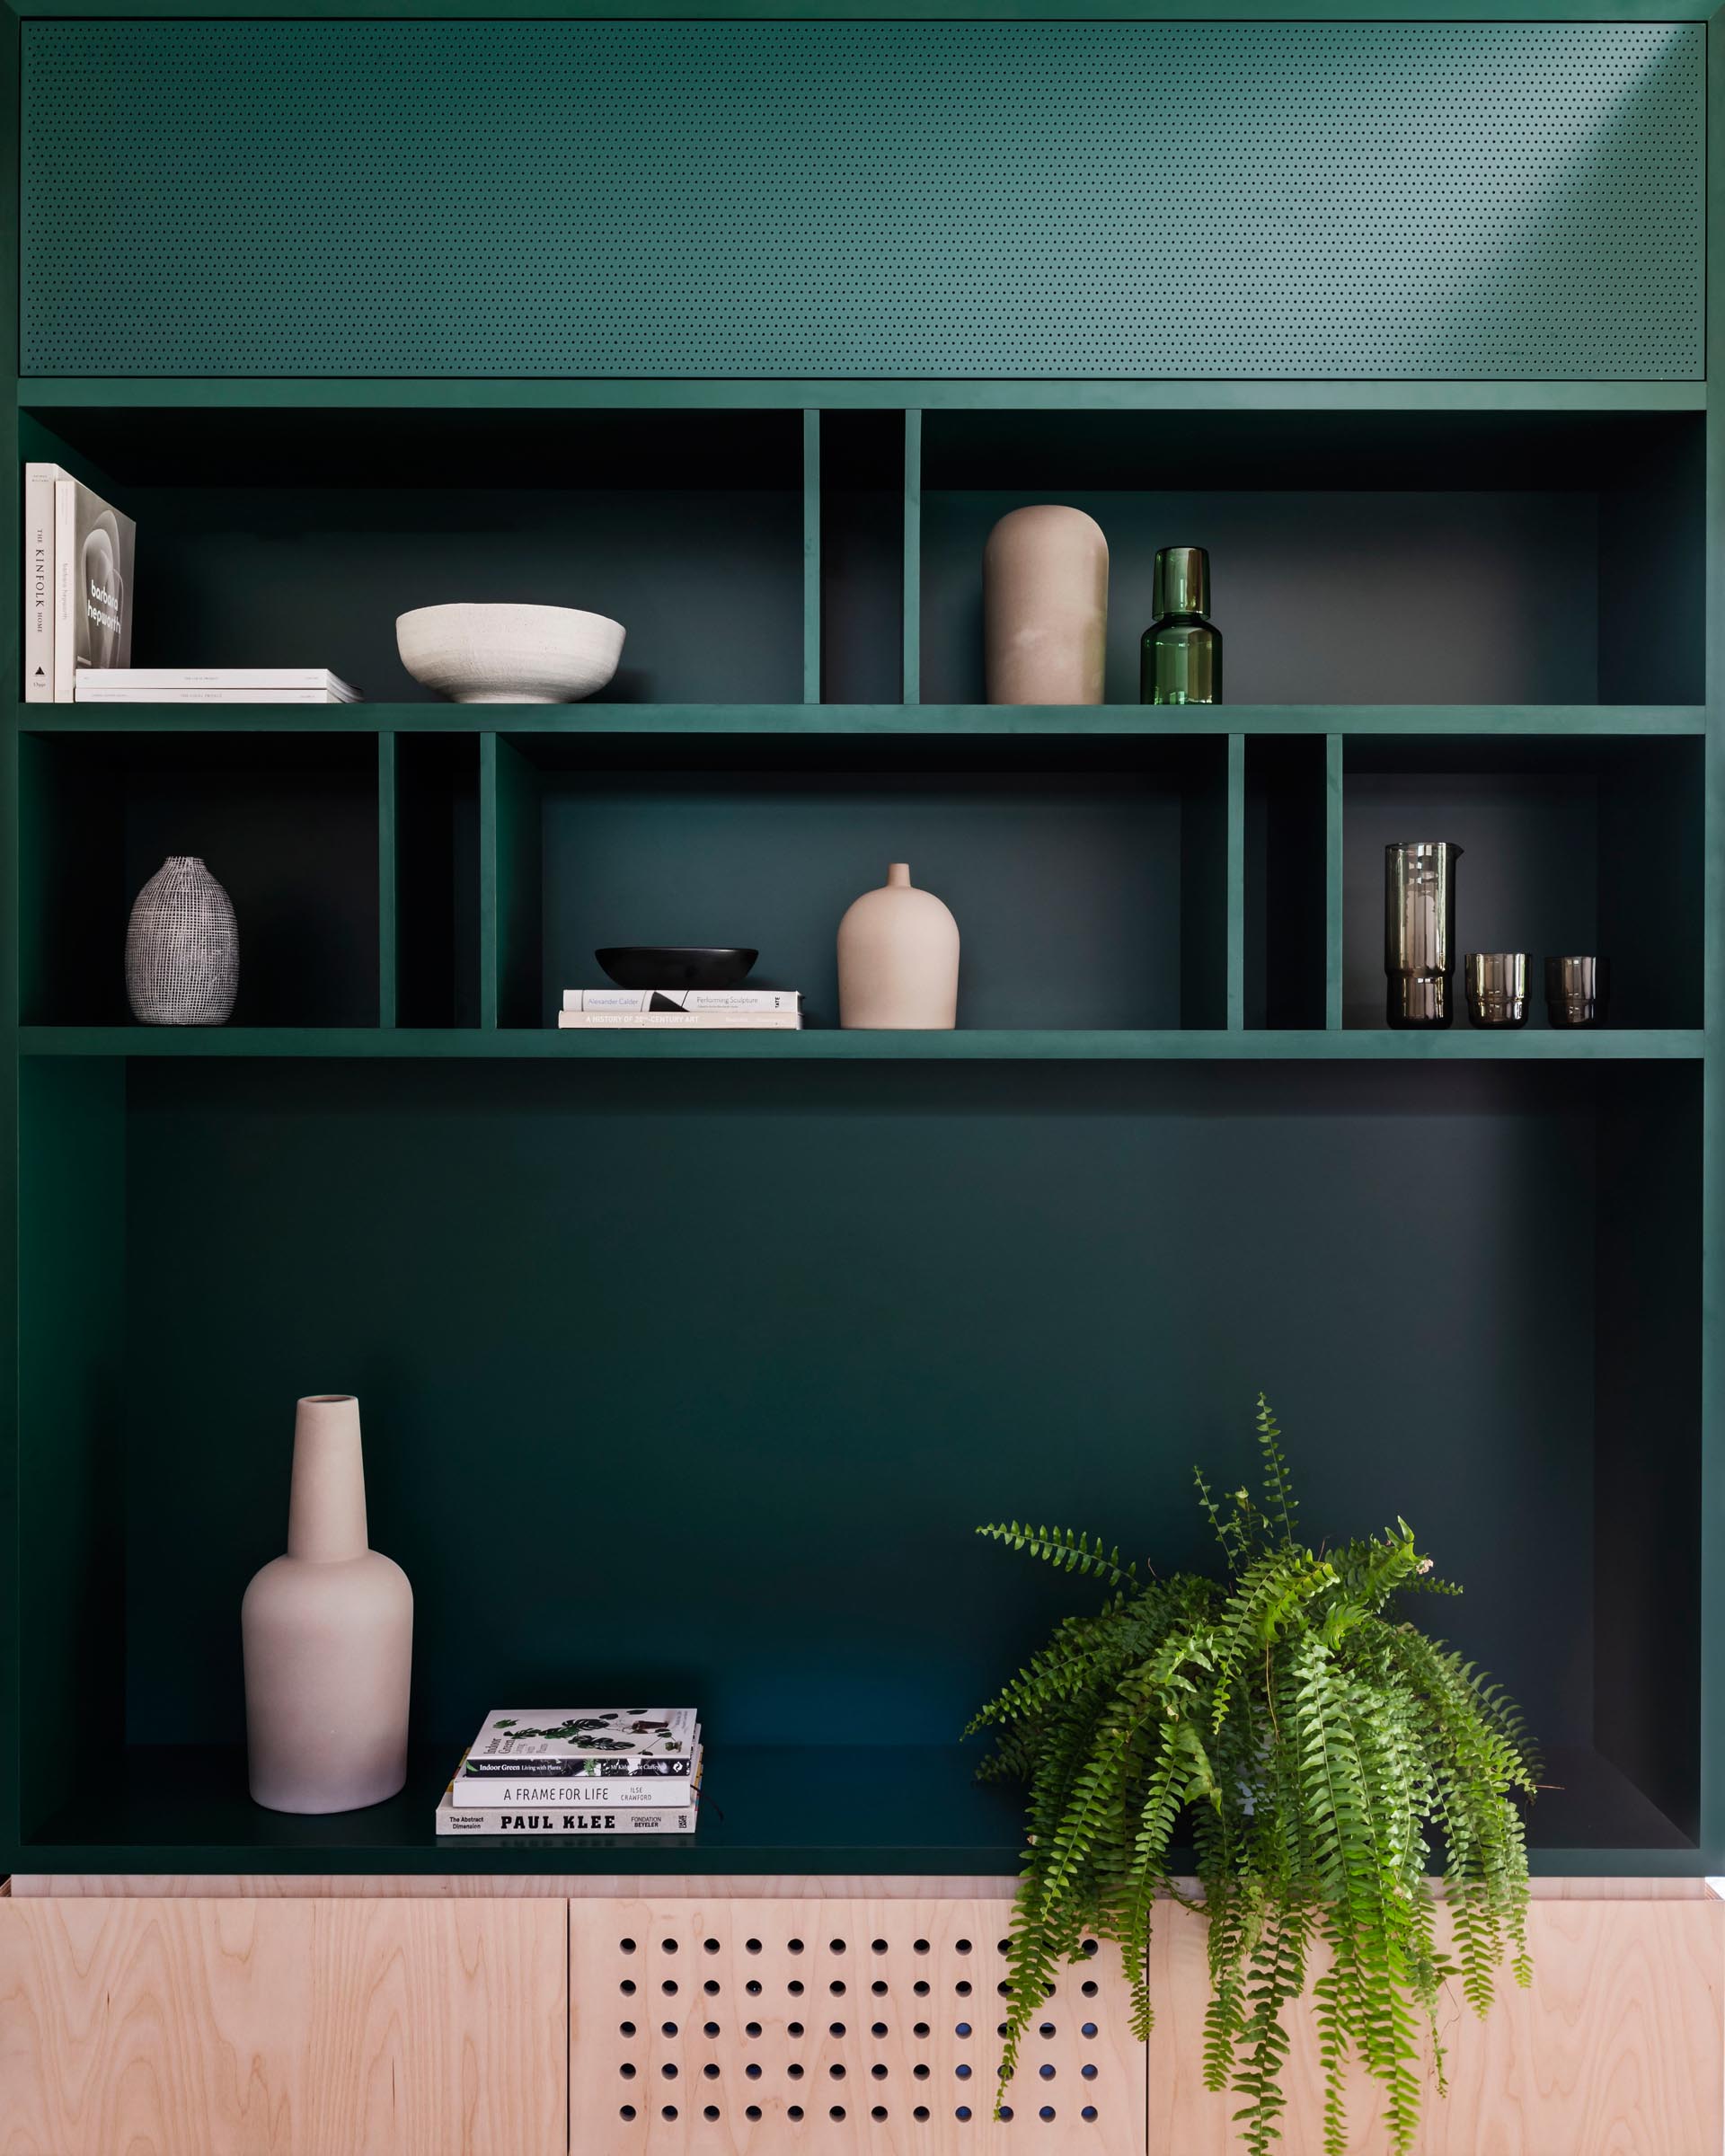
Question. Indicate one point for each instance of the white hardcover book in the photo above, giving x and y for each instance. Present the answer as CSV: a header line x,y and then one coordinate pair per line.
x,y
565,1819
682,999
84,694
93,549
655,1022
38,581
159,678
550,1743
603,1792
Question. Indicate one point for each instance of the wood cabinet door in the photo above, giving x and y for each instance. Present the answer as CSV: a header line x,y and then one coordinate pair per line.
x,y
339,2027
1615,2050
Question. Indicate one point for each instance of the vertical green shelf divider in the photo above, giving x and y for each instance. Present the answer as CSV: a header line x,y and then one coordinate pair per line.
x,y
811,557
913,689
490,910
387,881
1332,745
1237,1000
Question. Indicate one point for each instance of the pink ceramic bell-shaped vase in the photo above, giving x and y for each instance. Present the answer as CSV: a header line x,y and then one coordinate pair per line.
x,y
328,1634
898,959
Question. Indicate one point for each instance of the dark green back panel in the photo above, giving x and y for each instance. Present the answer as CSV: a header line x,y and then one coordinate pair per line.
x,y
863,200
696,1381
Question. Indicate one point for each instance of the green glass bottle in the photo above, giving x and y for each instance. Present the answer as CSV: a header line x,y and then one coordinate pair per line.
x,y
1182,661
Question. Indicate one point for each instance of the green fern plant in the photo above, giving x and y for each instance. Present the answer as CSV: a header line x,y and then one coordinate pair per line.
x,y
1307,1737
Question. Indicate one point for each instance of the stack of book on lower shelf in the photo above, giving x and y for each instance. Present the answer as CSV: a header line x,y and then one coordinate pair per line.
x,y
721,1010
212,684
577,1771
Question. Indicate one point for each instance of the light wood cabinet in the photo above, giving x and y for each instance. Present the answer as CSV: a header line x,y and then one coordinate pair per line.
x,y
169,2027
1615,2050
395,2017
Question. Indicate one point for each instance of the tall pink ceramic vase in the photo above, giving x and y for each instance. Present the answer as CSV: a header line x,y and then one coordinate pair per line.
x,y
898,959
328,1633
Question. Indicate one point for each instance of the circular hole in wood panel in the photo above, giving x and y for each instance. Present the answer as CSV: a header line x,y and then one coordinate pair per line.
x,y
1003,1946
836,2073
835,1945
1090,1987
711,2071
963,2072
668,2069
1046,2112
710,1988
670,1987
921,1945
1005,2110
880,2111
877,2029
794,1988
1089,2111
667,2029
751,2029
752,2111
752,2071
709,2110
837,1987
1088,2029
1045,2029
793,1945
793,2029
626,2111
627,2071
920,2073
1047,2073
879,1989
710,1945
626,1946
921,1988
668,1945
753,1987
1089,2072
1001,2029
962,1989
837,2111
962,1946
795,2072
920,2112
1090,1946
1006,1989
877,1946
961,2029
795,2111
921,2029
625,2028
879,2073
627,1988
751,1945
835,2029
667,2111
709,2028
963,2111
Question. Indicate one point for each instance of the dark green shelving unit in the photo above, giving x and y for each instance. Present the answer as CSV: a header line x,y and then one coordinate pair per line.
x,y
689,1362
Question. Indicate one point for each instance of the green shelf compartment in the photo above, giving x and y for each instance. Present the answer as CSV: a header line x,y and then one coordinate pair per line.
x,y
1386,557
888,1276
862,569
1090,879
1285,881
287,823
297,537
436,824
1594,844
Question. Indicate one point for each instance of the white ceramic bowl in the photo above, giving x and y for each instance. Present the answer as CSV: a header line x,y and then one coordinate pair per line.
x,y
483,654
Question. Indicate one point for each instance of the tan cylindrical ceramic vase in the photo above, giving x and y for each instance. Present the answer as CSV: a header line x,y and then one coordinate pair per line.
x,y
1045,608
898,959
328,1634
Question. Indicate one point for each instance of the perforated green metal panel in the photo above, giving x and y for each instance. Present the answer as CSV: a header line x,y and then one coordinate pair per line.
x,y
942,200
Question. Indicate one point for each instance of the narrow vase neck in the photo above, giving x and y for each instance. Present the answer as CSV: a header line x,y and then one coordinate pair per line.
x,y
326,1506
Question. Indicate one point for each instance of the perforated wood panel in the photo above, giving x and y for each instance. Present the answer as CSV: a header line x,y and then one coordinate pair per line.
x,y
897,199
845,2025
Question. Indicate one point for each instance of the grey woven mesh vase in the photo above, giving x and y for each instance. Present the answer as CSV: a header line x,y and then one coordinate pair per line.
x,y
182,947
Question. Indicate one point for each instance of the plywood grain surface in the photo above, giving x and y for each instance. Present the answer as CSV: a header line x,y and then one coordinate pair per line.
x,y
201,2028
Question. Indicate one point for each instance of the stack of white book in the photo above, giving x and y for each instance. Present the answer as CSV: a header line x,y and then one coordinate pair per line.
x,y
722,1009
577,1771
212,684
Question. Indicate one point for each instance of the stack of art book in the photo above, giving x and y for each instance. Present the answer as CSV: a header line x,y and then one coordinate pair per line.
x,y
577,1771
213,685
764,1010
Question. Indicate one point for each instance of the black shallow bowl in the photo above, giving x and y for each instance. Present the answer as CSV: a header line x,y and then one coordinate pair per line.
x,y
675,966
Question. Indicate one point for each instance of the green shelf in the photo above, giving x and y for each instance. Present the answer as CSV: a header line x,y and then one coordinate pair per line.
x,y
1673,1044
764,1809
